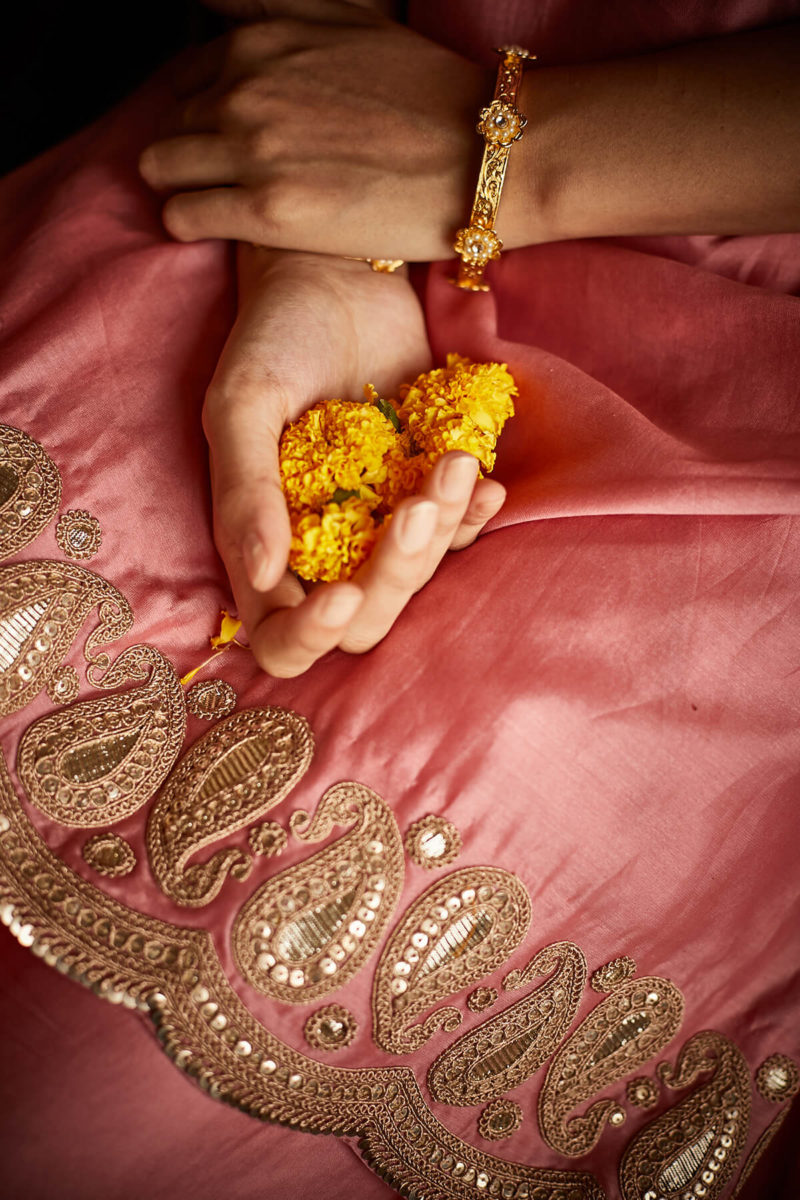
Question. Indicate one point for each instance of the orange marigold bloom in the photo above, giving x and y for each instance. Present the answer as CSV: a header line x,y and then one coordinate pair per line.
x,y
332,544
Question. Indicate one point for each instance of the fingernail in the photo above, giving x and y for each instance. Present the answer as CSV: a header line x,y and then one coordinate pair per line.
x,y
458,475
416,525
338,607
256,562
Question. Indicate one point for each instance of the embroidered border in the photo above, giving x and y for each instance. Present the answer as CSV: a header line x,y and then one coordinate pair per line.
x,y
30,490
174,975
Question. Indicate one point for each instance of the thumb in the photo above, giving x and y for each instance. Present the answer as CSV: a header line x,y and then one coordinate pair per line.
x,y
251,522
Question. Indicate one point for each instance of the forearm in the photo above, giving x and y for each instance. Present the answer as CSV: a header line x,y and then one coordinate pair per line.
x,y
702,138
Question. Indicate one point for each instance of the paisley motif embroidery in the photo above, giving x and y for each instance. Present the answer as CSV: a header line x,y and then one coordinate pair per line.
x,y
433,842
499,1120
330,1028
78,534
109,854
97,761
42,606
64,685
240,769
30,490
211,699
629,1027
504,1051
174,976
606,978
309,929
692,1149
456,933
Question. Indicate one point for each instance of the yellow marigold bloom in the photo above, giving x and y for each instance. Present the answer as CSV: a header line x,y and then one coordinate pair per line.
x,y
332,544
462,406
335,444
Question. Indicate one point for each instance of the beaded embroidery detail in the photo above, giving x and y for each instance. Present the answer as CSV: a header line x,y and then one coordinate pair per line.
x,y
64,685
211,699
621,1033
642,1092
97,761
239,770
481,999
267,839
504,1051
109,854
455,933
692,1149
42,606
778,1078
499,1120
78,534
330,1028
432,842
312,927
606,978
30,490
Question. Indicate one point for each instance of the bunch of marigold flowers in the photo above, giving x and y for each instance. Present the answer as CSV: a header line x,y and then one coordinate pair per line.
x,y
345,465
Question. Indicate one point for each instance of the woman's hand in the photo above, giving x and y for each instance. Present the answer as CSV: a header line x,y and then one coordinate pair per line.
x,y
326,128
312,328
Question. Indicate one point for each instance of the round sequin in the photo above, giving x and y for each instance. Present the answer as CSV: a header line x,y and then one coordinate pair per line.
x,y
267,839
78,533
109,854
606,978
330,1028
432,842
211,699
642,1092
778,1078
481,999
499,1120
64,685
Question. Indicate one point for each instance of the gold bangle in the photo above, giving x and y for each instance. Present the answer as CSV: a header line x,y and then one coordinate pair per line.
x,y
501,124
385,266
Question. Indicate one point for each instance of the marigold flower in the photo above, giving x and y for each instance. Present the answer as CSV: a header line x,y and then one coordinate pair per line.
x,y
346,465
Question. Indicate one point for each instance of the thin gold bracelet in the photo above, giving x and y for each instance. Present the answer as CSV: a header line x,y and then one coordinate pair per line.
x,y
501,124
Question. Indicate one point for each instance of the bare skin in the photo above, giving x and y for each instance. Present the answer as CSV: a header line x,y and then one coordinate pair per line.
x,y
310,327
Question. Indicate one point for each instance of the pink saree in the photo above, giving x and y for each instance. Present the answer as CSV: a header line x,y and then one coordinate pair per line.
x,y
508,905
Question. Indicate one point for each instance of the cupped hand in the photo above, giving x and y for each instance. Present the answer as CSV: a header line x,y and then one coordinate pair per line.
x,y
325,128
312,328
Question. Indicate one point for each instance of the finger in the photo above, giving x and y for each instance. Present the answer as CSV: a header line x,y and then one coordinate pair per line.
x,y
251,523
196,161
398,568
450,485
223,212
197,68
487,499
289,640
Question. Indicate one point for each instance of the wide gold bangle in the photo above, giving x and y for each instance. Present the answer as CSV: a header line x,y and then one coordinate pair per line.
x,y
501,124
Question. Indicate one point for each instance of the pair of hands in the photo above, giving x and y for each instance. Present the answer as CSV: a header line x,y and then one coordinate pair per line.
x,y
272,143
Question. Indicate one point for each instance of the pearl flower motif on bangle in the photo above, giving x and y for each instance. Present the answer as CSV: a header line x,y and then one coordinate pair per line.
x,y
501,124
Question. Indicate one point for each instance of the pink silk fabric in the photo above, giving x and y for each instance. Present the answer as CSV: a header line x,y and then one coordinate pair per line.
x,y
601,694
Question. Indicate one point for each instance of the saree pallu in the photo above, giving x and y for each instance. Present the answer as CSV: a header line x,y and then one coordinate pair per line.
x,y
509,905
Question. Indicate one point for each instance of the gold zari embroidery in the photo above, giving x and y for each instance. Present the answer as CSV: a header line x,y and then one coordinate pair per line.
x,y
481,999
778,1078
309,929
211,699
499,1120
64,685
267,839
504,1051
692,1149
642,1092
78,534
454,934
630,1026
175,975
330,1028
606,978
30,490
240,769
42,606
97,761
432,842
109,854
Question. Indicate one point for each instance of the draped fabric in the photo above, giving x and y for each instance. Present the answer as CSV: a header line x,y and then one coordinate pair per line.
x,y
600,697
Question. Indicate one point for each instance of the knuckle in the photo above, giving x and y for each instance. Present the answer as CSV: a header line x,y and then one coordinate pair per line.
x,y
176,219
